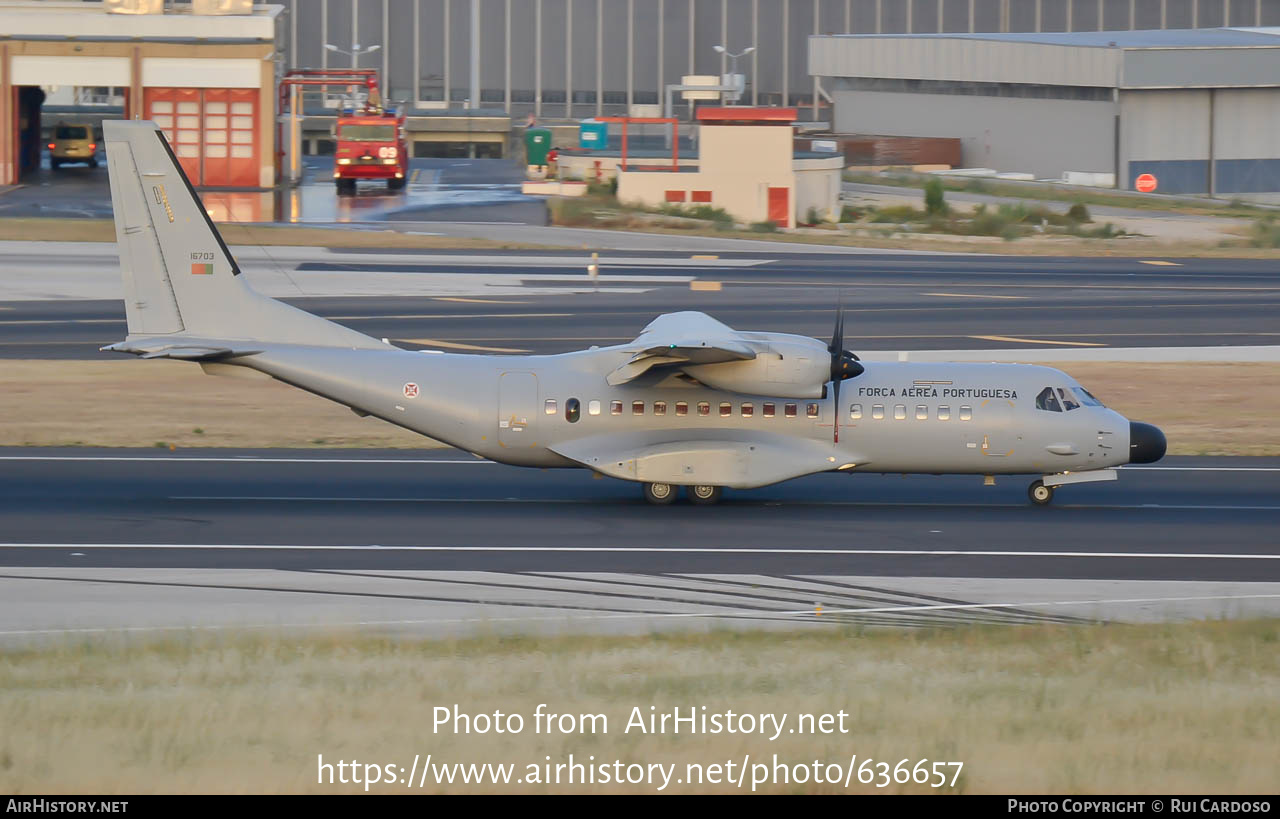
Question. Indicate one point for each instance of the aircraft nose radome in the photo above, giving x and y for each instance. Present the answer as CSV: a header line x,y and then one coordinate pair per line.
x,y
1146,443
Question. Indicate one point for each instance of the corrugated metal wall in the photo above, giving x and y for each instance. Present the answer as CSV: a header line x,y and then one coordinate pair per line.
x,y
1167,134
1041,136
605,53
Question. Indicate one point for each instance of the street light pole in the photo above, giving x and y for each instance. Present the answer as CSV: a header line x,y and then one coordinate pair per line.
x,y
355,54
733,65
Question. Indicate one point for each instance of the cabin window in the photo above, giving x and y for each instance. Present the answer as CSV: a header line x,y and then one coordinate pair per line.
x,y
899,412
615,407
572,410
593,408
855,412
549,406
704,408
966,413
726,409
944,412
789,410
877,411
811,411
1047,401
1069,401
637,408
659,407
922,412
682,408
748,410
767,410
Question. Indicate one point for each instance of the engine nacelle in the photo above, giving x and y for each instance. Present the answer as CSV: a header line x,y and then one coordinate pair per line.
x,y
786,367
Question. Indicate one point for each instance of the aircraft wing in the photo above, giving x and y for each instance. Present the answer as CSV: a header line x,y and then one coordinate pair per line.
x,y
675,339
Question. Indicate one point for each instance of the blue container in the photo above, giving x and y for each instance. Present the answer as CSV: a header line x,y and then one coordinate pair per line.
x,y
593,135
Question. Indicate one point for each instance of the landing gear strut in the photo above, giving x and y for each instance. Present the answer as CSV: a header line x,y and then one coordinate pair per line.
x,y
659,494
1040,494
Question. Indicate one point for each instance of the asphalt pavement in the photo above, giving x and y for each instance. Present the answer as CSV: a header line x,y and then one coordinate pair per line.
x,y
56,306
141,542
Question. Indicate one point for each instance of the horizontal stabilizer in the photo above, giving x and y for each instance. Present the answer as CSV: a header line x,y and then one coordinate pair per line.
x,y
180,348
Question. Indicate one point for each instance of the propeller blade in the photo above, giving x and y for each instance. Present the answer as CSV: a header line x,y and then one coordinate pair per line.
x,y
837,366
835,421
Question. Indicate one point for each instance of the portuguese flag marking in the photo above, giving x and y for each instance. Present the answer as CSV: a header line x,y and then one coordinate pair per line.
x,y
201,270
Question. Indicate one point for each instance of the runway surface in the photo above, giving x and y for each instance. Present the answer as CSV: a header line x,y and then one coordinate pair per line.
x,y
106,540
526,302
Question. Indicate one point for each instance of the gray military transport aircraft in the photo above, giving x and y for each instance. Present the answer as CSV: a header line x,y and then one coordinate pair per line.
x,y
690,402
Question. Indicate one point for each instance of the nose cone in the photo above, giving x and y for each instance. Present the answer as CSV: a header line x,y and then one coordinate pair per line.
x,y
1146,443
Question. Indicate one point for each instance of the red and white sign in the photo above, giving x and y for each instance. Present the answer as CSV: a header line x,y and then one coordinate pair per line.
x,y
411,390
1145,183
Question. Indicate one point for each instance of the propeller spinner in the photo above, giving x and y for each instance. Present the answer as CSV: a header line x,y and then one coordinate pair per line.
x,y
844,365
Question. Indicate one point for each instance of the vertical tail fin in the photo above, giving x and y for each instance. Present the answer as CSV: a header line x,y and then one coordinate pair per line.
x,y
179,276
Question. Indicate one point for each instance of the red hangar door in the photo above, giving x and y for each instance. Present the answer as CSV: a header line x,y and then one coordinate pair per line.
x,y
780,206
213,132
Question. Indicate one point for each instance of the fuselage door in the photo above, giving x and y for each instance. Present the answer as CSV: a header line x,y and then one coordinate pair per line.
x,y
995,422
517,409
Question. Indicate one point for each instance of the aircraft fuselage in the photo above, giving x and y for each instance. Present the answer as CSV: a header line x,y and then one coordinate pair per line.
x,y
895,417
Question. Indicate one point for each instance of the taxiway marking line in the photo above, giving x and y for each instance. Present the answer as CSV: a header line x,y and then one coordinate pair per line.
x,y
750,550
807,614
250,459
457,345
1160,263
246,459
476,301
973,296
1040,341
580,501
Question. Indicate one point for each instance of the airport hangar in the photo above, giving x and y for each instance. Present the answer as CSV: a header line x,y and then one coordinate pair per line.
x,y
208,81
1198,110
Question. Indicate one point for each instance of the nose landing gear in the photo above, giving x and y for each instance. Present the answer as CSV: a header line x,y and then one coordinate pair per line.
x,y
1040,494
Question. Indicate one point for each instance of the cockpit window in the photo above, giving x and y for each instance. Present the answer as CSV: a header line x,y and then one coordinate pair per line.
x,y
1069,401
1046,400
1087,398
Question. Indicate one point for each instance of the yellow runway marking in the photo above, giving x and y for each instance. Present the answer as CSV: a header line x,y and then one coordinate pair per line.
x,y
1160,263
702,285
372,317
454,345
477,301
1040,341
705,257
414,176
974,296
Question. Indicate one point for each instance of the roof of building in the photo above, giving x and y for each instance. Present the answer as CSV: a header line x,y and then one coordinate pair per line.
x,y
26,20
1158,38
745,113
1175,58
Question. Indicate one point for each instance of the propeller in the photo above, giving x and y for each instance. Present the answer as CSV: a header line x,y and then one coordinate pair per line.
x,y
844,365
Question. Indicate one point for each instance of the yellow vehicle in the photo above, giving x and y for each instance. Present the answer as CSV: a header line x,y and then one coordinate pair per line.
x,y
73,142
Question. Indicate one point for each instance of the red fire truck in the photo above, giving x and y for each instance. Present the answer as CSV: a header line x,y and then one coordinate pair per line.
x,y
371,145
371,137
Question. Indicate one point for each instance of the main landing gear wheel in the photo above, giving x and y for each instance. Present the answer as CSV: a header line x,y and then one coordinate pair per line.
x,y
703,495
659,494
1040,494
